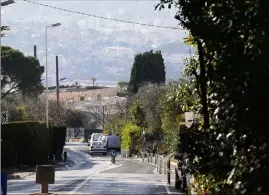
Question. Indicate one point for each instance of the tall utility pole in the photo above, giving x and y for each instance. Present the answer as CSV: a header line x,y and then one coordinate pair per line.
x,y
47,93
77,78
57,81
103,113
35,55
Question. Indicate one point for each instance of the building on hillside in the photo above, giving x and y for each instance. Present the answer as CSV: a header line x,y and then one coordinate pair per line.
x,y
78,95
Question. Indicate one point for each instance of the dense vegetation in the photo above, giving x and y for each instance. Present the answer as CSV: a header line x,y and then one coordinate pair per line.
x,y
225,84
233,65
147,67
26,140
30,143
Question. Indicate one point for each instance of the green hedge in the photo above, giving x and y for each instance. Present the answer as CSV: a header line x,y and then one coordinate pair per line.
x,y
32,142
130,136
59,136
8,154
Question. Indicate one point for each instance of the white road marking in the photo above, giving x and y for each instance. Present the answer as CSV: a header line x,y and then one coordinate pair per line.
x,y
166,188
90,177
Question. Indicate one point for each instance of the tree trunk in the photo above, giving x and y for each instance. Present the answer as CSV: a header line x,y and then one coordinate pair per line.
x,y
203,84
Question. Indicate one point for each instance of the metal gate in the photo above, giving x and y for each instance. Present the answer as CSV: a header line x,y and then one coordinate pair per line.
x,y
70,133
78,133
75,133
4,117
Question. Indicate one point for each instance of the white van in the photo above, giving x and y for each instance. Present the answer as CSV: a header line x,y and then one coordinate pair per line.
x,y
98,147
103,138
113,142
94,137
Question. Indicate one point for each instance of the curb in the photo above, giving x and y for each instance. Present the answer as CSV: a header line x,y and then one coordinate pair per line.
x,y
140,160
17,176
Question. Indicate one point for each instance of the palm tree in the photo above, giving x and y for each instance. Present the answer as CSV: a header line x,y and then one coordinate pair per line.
x,y
93,80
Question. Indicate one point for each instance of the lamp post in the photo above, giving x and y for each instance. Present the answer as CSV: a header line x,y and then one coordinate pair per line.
x,y
47,99
8,2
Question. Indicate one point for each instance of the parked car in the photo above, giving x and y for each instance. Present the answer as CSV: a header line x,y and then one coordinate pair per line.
x,y
98,147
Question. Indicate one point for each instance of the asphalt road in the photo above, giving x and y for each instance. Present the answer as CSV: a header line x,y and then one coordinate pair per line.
x,y
96,175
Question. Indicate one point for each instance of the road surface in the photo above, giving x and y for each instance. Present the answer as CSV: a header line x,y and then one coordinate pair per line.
x,y
96,175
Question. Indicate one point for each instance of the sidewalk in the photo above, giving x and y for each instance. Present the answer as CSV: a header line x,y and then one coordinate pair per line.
x,y
22,174
169,187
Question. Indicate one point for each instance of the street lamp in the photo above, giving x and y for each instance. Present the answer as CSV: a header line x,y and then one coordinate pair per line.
x,y
47,99
62,79
8,2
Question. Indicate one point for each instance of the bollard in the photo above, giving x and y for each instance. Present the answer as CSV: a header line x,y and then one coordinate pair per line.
x,y
156,159
147,157
168,171
65,156
124,153
45,175
143,156
150,157
113,157
153,159
164,165
160,164
168,166
113,161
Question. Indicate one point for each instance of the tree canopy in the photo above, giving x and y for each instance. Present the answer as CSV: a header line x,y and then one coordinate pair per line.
x,y
3,29
147,67
24,73
123,85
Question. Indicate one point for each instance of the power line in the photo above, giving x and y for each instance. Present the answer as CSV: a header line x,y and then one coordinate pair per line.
x,y
104,18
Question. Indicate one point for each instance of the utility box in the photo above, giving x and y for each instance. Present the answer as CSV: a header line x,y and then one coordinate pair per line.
x,y
45,174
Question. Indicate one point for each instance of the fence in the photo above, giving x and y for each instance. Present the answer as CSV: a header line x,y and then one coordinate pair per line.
x,y
77,134
155,159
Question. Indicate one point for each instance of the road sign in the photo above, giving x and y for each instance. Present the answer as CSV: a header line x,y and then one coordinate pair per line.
x,y
3,183
189,116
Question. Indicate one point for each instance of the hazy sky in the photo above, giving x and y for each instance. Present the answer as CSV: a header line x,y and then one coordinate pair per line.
x,y
31,19
138,11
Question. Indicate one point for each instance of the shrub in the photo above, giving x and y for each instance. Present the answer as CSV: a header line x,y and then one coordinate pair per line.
x,y
59,135
130,137
8,154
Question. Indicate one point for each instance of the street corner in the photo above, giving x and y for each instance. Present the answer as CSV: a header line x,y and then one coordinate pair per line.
x,y
170,189
66,165
13,176
110,165
19,175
